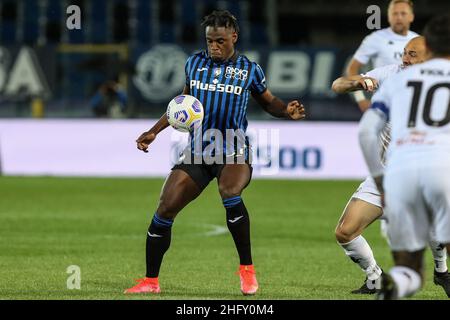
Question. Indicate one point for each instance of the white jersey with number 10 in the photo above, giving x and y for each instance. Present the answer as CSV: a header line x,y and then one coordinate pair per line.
x,y
417,104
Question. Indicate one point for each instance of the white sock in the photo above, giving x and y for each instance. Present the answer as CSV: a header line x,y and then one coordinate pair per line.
x,y
360,252
439,255
407,280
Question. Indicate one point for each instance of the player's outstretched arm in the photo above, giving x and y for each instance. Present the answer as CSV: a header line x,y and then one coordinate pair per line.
x,y
353,69
353,83
277,108
149,136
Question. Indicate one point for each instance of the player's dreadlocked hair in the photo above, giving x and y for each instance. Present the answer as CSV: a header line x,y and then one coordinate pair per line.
x,y
437,35
221,18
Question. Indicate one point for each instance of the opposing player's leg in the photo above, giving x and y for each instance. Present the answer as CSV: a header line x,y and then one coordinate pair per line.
x,y
417,212
405,278
232,181
443,279
437,196
357,216
441,276
408,232
178,190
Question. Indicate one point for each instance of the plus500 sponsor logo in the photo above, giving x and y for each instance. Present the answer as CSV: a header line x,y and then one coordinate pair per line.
x,y
216,87
290,158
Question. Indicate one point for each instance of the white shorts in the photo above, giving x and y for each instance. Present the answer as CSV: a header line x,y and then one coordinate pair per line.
x,y
368,192
417,202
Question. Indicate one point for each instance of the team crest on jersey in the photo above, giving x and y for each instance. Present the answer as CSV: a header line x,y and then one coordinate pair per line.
x,y
236,73
217,72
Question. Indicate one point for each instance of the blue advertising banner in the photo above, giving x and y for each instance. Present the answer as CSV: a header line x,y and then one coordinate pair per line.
x,y
72,78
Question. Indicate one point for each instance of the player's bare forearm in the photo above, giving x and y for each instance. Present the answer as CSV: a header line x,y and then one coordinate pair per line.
x,y
163,122
354,83
345,84
149,136
353,68
364,105
160,125
279,109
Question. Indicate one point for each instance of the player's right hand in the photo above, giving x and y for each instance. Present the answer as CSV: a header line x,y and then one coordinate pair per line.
x,y
144,140
368,84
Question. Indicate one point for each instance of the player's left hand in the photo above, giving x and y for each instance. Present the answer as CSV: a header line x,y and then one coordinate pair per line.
x,y
144,140
295,110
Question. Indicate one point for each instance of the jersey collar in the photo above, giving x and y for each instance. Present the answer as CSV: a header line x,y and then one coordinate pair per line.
x,y
399,36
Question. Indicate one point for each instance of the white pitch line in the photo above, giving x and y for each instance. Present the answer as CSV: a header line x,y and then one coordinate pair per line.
x,y
216,230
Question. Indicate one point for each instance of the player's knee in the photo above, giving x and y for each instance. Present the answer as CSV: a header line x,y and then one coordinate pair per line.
x,y
344,235
229,191
166,209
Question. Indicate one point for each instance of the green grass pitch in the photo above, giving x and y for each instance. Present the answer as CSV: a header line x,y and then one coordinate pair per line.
x,y
100,225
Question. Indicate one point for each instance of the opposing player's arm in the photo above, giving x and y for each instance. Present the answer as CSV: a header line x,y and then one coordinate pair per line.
x,y
149,136
353,69
372,123
353,83
277,108
370,127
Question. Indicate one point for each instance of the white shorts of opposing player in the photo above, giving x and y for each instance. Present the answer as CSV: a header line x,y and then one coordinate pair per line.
x,y
368,192
417,201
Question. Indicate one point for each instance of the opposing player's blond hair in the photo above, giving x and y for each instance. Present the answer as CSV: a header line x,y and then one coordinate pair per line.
x,y
408,2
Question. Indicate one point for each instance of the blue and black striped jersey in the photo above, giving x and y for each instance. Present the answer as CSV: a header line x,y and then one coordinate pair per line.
x,y
224,89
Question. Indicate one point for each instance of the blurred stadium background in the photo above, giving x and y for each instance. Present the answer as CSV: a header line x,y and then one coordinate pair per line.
x,y
126,40
50,79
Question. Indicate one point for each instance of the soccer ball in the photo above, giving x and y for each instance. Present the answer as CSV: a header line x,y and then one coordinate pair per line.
x,y
185,113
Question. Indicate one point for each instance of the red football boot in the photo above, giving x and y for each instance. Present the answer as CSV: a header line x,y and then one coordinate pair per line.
x,y
247,274
145,285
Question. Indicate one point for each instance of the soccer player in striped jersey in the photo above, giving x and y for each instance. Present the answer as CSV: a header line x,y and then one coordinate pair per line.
x,y
223,80
365,205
